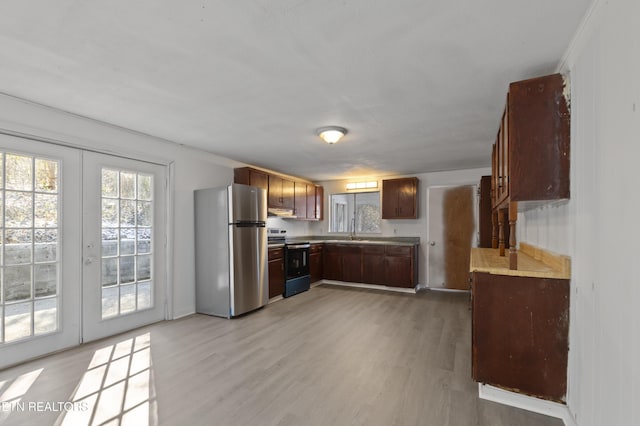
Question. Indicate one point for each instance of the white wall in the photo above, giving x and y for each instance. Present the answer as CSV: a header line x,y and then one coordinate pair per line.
x,y
405,227
191,170
599,228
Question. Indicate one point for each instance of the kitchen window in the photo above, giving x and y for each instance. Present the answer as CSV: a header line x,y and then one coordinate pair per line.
x,y
355,212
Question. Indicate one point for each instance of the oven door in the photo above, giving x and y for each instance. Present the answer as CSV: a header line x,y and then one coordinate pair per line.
x,y
297,260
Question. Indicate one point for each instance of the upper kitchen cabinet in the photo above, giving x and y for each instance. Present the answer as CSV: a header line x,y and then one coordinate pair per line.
x,y
315,196
531,155
281,193
485,227
302,198
500,160
253,177
319,196
530,159
400,198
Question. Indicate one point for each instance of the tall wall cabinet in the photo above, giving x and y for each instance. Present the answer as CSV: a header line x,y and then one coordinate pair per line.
x,y
520,303
530,158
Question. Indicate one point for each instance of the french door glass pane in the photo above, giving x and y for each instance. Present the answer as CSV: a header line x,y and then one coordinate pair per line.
x,y
127,217
29,246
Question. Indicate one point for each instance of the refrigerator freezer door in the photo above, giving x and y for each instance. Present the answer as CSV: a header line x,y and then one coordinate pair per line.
x,y
212,251
247,204
249,282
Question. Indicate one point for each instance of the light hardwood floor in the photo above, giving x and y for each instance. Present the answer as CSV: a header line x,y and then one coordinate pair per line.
x,y
329,356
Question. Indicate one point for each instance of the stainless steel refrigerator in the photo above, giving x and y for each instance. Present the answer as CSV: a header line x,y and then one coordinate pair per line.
x,y
231,250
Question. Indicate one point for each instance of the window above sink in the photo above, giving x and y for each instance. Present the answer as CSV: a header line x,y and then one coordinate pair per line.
x,y
357,213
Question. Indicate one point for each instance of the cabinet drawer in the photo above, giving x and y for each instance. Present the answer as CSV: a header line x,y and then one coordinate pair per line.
x,y
399,250
371,249
316,248
275,253
344,248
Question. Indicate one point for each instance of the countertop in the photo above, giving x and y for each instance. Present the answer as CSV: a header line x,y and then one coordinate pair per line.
x,y
532,262
396,241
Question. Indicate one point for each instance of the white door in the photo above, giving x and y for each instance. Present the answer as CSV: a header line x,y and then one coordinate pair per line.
x,y
124,244
40,235
452,218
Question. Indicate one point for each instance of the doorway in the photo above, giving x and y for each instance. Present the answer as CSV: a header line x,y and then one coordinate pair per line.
x,y
77,262
452,218
123,242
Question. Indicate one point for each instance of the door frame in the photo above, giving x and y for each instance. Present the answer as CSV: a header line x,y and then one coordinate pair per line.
x,y
24,132
474,243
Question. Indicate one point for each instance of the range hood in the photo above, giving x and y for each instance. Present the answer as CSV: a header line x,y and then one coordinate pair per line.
x,y
284,213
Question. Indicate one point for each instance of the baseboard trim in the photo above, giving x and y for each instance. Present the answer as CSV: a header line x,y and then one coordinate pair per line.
x,y
275,299
369,286
536,405
445,290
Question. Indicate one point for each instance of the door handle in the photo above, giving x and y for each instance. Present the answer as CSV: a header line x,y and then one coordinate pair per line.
x,y
432,243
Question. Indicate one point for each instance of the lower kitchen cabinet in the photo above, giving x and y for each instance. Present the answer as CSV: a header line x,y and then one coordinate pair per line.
x,y
276,272
520,333
343,262
373,265
378,264
316,267
332,263
352,264
399,269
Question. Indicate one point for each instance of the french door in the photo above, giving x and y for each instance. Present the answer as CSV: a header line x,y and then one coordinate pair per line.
x,y
82,246
124,253
40,254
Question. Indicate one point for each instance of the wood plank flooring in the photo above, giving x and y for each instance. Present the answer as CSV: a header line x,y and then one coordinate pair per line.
x,y
329,356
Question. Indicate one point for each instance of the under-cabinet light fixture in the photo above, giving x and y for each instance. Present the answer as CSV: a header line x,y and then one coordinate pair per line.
x,y
331,134
362,185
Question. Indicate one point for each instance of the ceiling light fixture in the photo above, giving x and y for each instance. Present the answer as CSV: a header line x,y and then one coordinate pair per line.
x,y
331,134
362,185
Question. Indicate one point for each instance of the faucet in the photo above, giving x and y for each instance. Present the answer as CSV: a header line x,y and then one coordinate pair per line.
x,y
352,234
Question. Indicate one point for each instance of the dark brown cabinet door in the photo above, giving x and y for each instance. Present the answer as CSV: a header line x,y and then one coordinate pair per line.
x,y
373,266
248,176
288,194
502,158
318,214
343,262
332,264
352,265
300,200
400,198
314,202
316,267
538,139
276,272
484,213
281,193
399,271
520,332
389,199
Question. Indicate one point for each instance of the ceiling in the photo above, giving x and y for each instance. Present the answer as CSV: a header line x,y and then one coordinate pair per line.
x,y
419,84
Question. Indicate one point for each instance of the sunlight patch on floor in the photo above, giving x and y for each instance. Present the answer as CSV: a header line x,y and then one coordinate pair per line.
x,y
13,391
117,387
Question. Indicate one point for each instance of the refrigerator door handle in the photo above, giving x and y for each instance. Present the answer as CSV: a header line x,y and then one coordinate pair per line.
x,y
242,224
